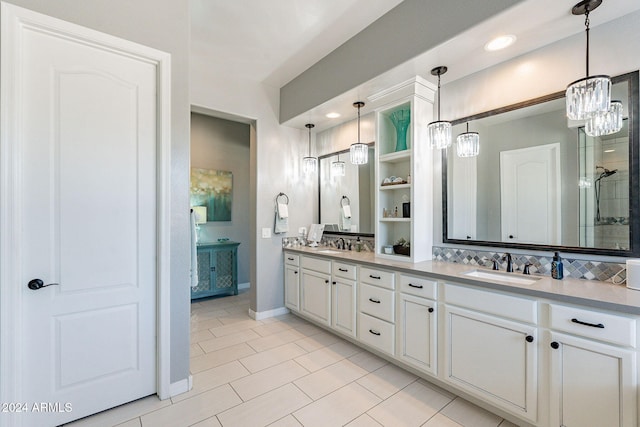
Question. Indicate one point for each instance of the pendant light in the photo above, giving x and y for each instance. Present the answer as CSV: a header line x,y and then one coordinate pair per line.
x,y
468,143
359,152
338,167
590,95
605,123
439,132
309,164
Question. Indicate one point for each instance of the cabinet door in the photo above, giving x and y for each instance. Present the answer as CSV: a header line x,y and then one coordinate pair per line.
x,y
316,296
344,306
416,331
224,262
592,384
493,358
291,287
206,274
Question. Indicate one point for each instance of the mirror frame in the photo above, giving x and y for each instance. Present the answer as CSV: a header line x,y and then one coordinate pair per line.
x,y
634,182
342,233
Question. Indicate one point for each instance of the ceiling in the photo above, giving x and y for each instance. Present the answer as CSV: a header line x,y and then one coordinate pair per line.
x,y
274,41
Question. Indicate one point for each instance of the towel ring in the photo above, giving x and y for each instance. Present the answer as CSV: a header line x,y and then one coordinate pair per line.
x,y
342,201
282,195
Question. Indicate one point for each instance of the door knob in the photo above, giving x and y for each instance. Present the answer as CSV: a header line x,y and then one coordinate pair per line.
x,y
36,284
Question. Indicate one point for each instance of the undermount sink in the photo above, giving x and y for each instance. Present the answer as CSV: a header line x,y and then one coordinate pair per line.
x,y
502,277
328,251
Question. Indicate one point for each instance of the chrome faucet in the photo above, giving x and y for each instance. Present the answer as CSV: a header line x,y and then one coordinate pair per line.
x,y
507,257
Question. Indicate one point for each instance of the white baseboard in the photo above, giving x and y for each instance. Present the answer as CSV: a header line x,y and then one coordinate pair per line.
x,y
181,386
269,313
246,285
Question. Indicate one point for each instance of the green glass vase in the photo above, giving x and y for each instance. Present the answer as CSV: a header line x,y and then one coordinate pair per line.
x,y
400,120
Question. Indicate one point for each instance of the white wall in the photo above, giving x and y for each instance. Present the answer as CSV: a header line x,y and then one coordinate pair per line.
x,y
276,153
615,49
163,26
224,145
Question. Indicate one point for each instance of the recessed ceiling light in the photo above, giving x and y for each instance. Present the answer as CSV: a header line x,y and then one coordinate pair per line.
x,y
333,115
500,42
609,151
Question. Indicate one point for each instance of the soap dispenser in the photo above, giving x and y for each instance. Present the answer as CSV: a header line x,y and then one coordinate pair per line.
x,y
557,270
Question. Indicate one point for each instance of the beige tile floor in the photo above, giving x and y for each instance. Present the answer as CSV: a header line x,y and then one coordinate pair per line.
x,y
284,371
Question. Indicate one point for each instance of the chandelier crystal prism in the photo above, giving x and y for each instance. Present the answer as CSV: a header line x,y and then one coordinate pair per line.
x,y
592,94
359,152
439,132
309,163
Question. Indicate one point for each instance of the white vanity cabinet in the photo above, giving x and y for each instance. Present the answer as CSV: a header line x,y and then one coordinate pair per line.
x,y
593,377
417,323
315,289
292,281
344,297
376,302
491,348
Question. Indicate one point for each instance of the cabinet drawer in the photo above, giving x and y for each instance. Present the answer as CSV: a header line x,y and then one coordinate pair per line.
x,y
418,286
377,302
380,278
376,333
346,271
610,328
316,264
291,259
510,307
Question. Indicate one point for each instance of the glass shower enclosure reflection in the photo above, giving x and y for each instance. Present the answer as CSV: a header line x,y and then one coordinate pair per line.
x,y
604,189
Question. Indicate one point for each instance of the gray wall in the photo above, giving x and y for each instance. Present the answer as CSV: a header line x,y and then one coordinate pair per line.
x,y
163,26
410,29
224,145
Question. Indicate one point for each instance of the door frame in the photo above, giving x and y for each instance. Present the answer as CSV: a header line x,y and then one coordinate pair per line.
x,y
13,20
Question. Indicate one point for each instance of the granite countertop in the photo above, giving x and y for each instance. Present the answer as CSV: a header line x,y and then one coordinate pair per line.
x,y
591,293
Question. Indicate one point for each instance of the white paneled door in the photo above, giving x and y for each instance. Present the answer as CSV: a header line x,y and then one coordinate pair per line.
x,y
85,172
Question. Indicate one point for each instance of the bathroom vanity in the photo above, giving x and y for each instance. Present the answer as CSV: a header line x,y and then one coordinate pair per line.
x,y
535,350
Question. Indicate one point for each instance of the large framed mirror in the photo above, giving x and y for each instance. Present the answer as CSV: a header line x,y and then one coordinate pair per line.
x,y
541,183
355,188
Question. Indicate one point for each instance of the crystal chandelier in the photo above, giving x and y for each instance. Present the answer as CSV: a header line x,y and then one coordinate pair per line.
x,y
359,152
439,132
605,123
338,167
590,95
468,143
309,164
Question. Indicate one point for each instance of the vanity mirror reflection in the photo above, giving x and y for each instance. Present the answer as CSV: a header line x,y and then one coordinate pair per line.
x,y
357,185
539,182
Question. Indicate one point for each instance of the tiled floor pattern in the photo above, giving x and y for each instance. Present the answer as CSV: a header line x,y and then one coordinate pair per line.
x,y
284,371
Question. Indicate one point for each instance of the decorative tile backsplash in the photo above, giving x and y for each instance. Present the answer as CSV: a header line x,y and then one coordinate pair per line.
x,y
576,268
331,240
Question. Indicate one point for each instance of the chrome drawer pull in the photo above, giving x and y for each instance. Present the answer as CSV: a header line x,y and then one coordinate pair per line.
x,y
374,277
593,325
374,332
377,301
415,286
